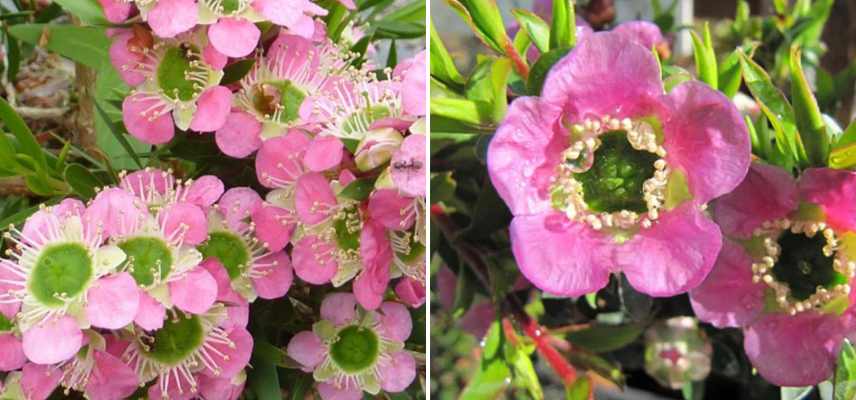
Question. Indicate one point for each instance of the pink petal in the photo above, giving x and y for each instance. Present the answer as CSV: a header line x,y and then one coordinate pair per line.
x,y
397,373
314,261
186,221
307,349
277,277
114,213
604,75
304,26
195,292
171,17
279,160
411,292
767,193
11,353
53,341
376,253
314,198
239,136
274,225
558,256
339,308
234,37
235,357
136,114
237,315
835,192
39,381
124,60
413,84
447,283
204,191
644,33
173,392
331,392
116,11
110,378
213,388
113,301
225,292
409,172
150,314
237,205
679,251
212,109
214,58
793,350
728,297
147,182
395,321
324,152
386,207
522,156
707,139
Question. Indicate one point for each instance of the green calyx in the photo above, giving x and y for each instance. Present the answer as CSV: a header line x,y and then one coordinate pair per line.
x,y
230,249
176,340
278,100
62,271
614,181
147,258
5,324
348,227
175,74
356,349
803,266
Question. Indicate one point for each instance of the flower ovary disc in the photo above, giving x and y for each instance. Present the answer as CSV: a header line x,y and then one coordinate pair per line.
x,y
230,249
61,271
356,349
176,340
148,258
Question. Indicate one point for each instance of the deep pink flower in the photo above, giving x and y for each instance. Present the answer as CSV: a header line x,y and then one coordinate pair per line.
x,y
605,172
327,350
786,274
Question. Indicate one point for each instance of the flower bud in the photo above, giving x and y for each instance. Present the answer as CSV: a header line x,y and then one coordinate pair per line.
x,y
377,148
677,352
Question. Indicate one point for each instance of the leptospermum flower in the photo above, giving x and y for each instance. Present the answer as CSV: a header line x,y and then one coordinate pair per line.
x,y
254,268
187,348
352,350
176,84
360,105
785,275
605,172
279,93
98,373
167,18
55,243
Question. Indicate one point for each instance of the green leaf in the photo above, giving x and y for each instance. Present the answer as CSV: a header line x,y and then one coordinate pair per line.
x,y
539,71
359,189
89,11
535,27
579,390
488,85
494,375
845,373
236,71
82,181
442,66
13,58
263,379
563,31
705,58
84,44
117,130
693,390
399,30
812,129
485,20
410,12
729,74
463,110
602,338
777,109
524,370
26,140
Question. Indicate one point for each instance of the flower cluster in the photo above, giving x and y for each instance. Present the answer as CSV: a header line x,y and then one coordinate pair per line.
x,y
110,296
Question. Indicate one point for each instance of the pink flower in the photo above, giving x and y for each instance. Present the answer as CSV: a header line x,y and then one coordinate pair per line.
x,y
412,73
791,292
175,84
279,93
408,166
360,105
411,292
169,18
295,15
329,350
605,172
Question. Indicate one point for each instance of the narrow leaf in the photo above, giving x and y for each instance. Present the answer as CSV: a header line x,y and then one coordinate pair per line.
x,y
809,120
705,58
535,27
563,30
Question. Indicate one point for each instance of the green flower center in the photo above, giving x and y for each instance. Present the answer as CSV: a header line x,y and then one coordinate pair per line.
x,y
232,6
179,73
417,250
278,101
361,120
614,181
347,225
230,249
61,271
803,266
148,258
5,324
356,349
176,340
